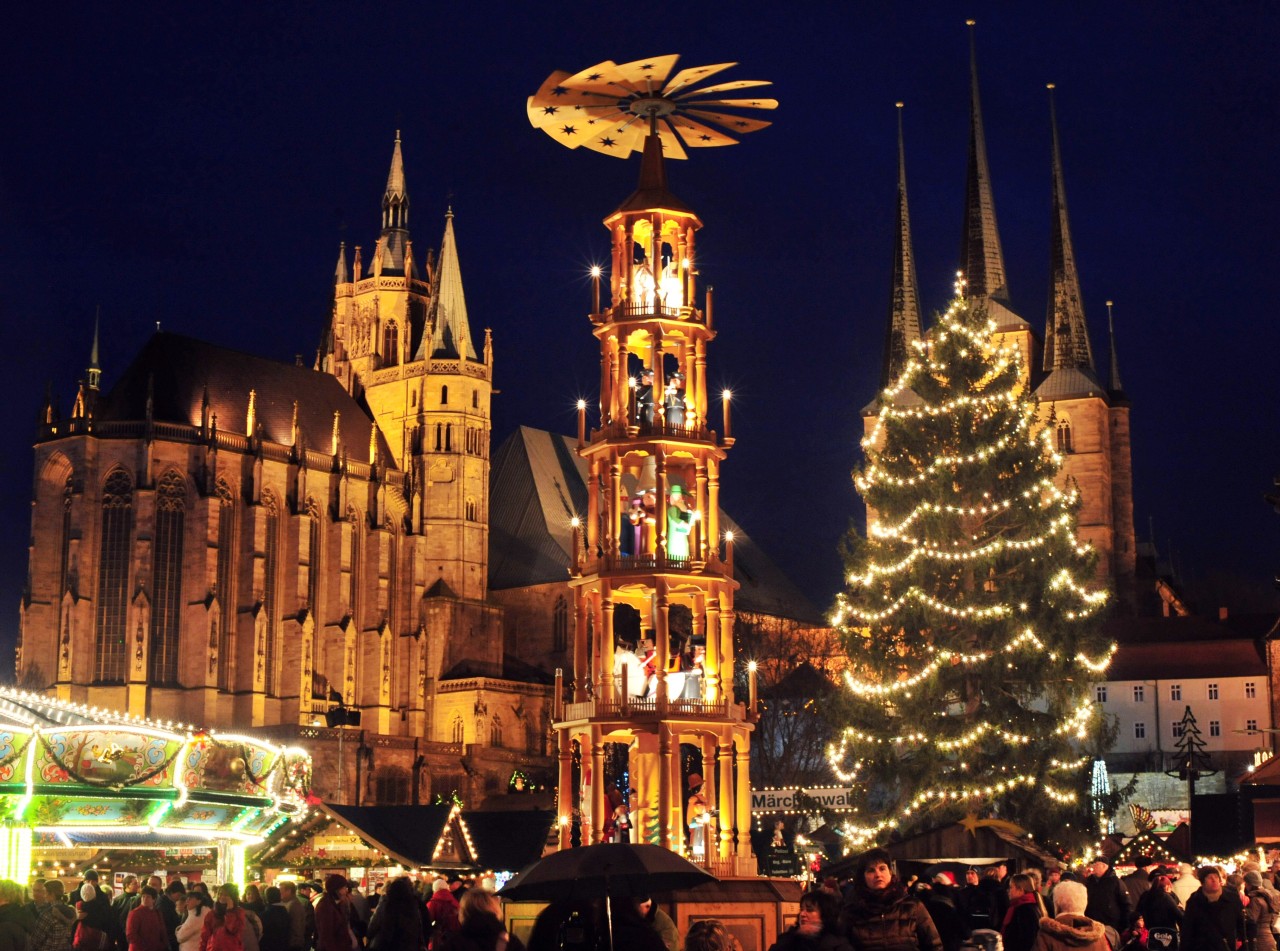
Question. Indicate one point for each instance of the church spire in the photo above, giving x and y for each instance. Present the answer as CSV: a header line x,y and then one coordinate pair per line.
x,y
904,306
94,371
451,333
1066,336
395,201
1114,385
981,258
340,275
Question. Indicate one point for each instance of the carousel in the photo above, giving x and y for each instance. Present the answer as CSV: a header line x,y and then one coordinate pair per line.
x,y
86,782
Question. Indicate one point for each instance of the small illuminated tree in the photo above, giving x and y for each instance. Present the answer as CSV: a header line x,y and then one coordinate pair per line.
x,y
972,627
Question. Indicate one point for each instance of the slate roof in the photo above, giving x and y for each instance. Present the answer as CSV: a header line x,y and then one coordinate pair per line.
x,y
506,840
1189,659
406,833
178,369
1070,383
537,483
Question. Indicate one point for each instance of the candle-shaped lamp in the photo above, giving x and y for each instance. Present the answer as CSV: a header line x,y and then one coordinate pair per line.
x,y
577,542
582,423
558,697
728,552
726,396
631,400
752,689
595,288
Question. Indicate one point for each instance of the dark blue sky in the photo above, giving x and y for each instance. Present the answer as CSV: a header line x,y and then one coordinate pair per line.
x,y
200,168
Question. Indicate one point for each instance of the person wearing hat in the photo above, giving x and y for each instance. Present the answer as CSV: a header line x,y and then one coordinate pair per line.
x,y
1108,901
674,402
941,901
644,399
442,909
679,524
1070,929
880,915
1138,882
1261,910
333,916
1215,915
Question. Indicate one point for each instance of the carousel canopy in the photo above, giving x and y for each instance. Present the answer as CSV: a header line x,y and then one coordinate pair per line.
x,y
83,775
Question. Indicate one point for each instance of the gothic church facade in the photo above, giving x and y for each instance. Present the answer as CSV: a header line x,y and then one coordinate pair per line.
x,y
223,539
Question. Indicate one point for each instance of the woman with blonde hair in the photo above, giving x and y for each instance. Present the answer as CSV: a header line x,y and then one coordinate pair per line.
x,y
710,935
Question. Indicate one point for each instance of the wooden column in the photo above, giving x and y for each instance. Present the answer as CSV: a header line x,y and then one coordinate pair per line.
x,y
711,666
713,504
678,829
663,488
593,512
606,653
597,786
707,745
664,786
726,646
700,503
742,781
564,800
617,511
699,612
580,672
725,762
662,641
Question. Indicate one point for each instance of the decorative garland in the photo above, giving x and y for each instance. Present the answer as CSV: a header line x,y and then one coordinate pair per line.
x,y
101,783
17,754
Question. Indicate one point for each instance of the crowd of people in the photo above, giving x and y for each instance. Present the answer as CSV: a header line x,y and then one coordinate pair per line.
x,y
333,915
1154,908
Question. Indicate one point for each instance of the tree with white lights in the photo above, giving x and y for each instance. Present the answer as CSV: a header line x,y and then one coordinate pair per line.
x,y
971,621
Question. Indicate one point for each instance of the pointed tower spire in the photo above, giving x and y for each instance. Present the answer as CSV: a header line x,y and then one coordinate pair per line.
x,y
340,275
1066,336
94,371
1113,383
395,201
981,258
451,333
652,191
904,306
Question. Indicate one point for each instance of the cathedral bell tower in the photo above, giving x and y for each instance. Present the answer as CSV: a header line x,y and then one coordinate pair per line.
x,y
652,578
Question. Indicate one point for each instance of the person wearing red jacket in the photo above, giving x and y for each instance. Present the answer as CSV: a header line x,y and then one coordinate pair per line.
x,y
144,927
225,924
443,909
333,917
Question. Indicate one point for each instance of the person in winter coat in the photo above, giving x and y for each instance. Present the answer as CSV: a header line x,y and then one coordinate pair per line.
x,y
976,903
1158,907
1261,911
144,928
442,909
1186,884
1215,916
1022,921
191,927
55,921
1138,882
396,924
659,921
816,928
948,918
275,922
333,916
879,915
224,925
481,927
1108,900
1069,929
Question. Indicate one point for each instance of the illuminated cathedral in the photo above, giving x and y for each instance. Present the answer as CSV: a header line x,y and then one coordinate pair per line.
x,y
1088,414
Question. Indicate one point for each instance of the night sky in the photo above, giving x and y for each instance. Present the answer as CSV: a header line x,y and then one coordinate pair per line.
x,y
200,168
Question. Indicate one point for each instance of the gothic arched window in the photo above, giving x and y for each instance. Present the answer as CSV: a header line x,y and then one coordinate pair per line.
x,y
314,544
459,731
390,344
1064,436
495,732
560,625
391,786
270,590
448,437
64,555
444,396
166,573
471,510
225,580
113,578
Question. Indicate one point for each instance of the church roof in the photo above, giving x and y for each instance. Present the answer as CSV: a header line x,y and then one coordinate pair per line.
x,y
178,371
536,486
452,330
1070,383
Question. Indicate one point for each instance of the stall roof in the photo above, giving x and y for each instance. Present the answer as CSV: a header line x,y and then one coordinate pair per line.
x,y
415,836
507,841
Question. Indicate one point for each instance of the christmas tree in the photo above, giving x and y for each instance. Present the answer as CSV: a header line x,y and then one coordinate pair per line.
x,y
969,614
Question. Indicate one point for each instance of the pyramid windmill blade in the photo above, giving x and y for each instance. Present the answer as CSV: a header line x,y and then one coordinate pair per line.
x,y
694,74
671,147
738,103
648,75
619,139
726,87
698,136
735,124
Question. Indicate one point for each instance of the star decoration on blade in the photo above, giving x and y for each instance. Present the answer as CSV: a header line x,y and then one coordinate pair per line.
x,y
629,99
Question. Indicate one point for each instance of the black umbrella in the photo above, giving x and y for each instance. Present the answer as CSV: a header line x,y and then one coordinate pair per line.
x,y
617,870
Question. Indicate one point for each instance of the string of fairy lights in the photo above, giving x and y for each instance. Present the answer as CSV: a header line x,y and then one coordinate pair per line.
x,y
998,408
